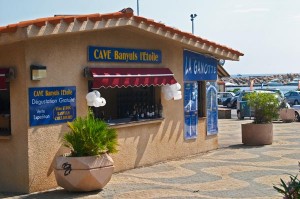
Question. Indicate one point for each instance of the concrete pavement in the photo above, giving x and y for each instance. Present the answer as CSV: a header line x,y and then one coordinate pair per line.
x,y
232,171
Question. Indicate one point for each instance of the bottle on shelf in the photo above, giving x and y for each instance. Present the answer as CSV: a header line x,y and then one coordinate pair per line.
x,y
160,110
152,111
135,115
156,111
148,112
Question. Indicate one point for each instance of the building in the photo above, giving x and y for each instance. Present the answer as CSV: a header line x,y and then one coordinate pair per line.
x,y
48,66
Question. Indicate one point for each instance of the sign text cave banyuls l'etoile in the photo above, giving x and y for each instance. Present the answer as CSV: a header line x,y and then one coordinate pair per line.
x,y
52,105
125,55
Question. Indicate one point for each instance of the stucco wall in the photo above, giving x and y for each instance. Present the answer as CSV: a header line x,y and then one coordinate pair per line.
x,y
149,143
14,152
65,58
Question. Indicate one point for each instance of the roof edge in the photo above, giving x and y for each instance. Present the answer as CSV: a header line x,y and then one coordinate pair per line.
x,y
125,17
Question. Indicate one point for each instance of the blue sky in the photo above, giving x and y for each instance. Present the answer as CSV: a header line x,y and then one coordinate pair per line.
x,y
266,31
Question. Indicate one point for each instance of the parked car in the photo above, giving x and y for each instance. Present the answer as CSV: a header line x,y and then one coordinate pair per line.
x,y
297,112
276,90
231,102
292,97
222,96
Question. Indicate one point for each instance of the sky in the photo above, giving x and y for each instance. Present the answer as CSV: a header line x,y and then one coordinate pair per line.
x,y
266,31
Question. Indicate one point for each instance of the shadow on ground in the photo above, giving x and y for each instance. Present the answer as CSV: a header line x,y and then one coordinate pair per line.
x,y
242,146
51,194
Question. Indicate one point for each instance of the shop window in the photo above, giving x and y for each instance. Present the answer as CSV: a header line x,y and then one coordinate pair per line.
x,y
130,104
5,111
201,99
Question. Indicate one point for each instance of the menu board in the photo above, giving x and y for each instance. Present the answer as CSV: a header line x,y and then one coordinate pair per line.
x,y
51,105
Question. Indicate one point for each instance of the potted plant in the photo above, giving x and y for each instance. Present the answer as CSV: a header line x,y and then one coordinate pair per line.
x,y
265,108
88,166
286,113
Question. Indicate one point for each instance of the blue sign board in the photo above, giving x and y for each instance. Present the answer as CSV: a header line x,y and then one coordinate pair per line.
x,y
125,55
190,110
212,108
190,125
52,105
198,67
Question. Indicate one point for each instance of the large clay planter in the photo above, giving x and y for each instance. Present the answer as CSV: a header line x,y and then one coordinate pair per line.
x,y
83,173
257,134
287,115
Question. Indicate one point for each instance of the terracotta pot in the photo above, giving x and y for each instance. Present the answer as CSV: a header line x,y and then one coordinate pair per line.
x,y
83,173
257,134
287,115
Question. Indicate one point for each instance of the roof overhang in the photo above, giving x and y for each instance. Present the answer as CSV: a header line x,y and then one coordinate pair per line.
x,y
60,25
222,72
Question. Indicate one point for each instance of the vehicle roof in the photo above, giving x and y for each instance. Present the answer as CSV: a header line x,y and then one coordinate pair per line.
x,y
294,91
275,89
258,91
226,92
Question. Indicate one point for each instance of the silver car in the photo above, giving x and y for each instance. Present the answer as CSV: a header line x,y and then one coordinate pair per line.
x,y
292,97
297,112
222,96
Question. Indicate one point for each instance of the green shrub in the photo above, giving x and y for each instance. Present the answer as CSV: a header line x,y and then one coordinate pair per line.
x,y
235,91
89,136
264,105
290,189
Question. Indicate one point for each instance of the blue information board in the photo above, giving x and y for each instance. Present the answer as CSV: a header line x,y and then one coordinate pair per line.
x,y
51,105
198,67
212,108
190,110
127,55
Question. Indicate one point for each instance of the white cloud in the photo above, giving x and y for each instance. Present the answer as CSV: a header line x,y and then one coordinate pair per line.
x,y
249,10
296,17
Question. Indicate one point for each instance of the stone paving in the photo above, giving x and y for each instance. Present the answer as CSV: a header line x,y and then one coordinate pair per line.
x,y
232,171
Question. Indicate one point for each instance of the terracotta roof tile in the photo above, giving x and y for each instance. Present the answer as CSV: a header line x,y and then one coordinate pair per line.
x,y
125,13
82,18
69,19
95,17
9,28
54,20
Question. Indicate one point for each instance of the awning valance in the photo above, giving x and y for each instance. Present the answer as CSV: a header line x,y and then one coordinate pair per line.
x,y
3,74
134,77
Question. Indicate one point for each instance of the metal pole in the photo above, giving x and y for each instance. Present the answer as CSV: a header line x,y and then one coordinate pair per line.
x,y
138,9
193,26
193,16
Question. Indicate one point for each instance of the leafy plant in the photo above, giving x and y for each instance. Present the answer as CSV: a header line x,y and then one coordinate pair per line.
x,y
264,105
89,136
290,189
235,91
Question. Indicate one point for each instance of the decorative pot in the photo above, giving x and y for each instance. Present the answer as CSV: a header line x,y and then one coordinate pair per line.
x,y
287,115
257,134
88,173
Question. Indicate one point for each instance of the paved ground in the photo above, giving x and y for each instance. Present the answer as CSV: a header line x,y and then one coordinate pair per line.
x,y
232,171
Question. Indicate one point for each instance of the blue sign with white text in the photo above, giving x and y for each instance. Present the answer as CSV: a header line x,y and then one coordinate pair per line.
x,y
212,108
52,105
127,55
198,67
190,110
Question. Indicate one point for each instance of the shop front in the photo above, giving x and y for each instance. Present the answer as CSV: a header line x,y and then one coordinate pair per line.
x,y
159,83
